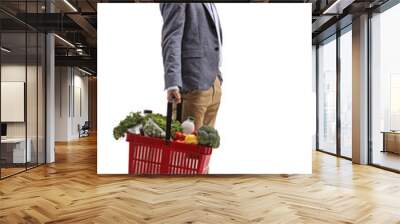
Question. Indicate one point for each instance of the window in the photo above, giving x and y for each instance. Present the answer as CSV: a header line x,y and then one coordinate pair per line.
x,y
346,93
327,96
385,89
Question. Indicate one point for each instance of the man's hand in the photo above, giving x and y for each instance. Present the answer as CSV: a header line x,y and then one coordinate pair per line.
x,y
174,95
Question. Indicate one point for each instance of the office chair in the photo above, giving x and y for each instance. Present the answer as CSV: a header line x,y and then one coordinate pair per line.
x,y
84,130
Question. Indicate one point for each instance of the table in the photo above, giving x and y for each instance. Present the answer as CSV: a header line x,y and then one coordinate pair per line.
x,y
13,150
391,141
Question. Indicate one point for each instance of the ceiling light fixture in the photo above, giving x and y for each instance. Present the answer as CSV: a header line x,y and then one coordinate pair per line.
x,y
5,50
70,5
65,41
337,7
84,71
79,51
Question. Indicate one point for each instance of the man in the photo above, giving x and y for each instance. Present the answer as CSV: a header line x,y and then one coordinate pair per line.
x,y
191,49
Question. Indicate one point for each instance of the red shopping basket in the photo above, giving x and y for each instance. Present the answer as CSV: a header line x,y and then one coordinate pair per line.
x,y
149,155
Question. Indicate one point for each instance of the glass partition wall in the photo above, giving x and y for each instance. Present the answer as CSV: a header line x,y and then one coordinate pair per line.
x,y
385,89
334,98
346,92
327,95
13,90
22,77
334,75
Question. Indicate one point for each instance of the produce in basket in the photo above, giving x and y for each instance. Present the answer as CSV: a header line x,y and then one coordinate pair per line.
x,y
179,136
135,129
191,139
208,136
132,120
188,126
154,125
161,121
153,130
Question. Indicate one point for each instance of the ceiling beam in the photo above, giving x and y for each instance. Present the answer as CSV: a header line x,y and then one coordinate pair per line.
x,y
338,6
320,22
84,24
80,20
83,61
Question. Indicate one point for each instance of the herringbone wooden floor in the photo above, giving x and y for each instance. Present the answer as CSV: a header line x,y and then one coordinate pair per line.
x,y
70,191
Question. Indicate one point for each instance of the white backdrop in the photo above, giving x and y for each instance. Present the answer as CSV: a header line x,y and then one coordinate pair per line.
x,y
265,119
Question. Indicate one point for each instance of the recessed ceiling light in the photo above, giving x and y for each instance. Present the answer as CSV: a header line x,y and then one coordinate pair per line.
x,y
70,5
64,40
338,6
84,71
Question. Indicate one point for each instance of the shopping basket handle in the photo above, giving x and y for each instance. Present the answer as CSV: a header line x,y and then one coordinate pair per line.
x,y
169,118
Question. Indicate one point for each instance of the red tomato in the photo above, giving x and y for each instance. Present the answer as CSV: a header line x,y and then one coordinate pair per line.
x,y
179,136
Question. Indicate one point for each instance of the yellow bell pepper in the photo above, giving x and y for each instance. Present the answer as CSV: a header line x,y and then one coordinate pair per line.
x,y
191,139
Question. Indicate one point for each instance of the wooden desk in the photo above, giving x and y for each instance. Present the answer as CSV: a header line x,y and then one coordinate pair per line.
x,y
391,141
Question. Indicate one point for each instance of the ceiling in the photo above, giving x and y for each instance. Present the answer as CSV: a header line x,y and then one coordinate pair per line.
x,y
76,22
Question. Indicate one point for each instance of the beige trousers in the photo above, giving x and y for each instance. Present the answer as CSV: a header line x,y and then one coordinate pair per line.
x,y
202,105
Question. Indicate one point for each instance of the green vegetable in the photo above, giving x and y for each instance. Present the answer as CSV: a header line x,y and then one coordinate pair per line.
x,y
153,130
161,121
208,136
175,127
134,119
131,120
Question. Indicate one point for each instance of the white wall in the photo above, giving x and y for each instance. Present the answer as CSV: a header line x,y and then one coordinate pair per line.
x,y
70,83
61,103
12,73
16,73
80,103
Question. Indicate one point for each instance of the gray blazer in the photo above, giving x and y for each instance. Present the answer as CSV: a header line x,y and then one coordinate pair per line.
x,y
190,46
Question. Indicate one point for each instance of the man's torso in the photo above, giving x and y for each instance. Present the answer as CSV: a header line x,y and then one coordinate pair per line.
x,y
200,48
